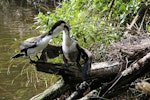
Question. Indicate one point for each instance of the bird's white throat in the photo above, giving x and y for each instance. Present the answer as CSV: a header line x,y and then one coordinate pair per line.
x,y
68,44
66,38
46,39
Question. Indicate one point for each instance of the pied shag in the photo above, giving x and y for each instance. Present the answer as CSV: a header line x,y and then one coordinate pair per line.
x,y
72,52
36,44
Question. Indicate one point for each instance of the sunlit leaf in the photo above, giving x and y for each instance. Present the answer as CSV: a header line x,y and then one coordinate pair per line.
x,y
122,7
148,28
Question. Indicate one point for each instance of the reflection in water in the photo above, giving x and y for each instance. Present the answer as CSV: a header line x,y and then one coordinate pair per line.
x,y
17,83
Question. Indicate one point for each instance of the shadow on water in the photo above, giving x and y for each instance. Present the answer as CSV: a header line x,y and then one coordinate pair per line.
x,y
17,81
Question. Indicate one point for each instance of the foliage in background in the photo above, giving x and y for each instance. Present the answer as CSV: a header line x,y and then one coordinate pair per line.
x,y
90,20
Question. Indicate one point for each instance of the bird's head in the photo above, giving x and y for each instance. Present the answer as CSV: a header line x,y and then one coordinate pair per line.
x,y
57,27
66,28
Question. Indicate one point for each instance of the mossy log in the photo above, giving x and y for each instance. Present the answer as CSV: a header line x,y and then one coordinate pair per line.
x,y
53,92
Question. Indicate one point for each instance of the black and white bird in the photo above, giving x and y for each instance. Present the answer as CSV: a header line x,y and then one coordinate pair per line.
x,y
72,52
36,44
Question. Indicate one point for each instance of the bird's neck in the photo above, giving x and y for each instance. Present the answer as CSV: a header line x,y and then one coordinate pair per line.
x,y
45,35
55,31
66,37
45,38
52,33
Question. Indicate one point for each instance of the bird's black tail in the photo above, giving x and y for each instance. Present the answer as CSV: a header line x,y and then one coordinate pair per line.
x,y
18,55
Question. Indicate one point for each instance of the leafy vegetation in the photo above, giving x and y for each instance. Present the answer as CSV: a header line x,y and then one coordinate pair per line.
x,y
90,20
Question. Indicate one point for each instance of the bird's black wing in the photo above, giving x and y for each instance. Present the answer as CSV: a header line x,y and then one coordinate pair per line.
x,y
87,57
82,53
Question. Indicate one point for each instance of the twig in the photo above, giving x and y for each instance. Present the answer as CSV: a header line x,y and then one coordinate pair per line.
x,y
110,9
143,20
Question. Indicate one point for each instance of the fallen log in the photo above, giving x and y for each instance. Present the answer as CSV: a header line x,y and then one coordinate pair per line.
x,y
53,92
98,70
79,92
136,70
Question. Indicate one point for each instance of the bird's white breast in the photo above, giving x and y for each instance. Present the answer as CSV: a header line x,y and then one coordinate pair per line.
x,y
69,47
70,50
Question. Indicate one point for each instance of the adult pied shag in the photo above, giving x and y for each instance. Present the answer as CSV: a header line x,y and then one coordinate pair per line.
x,y
72,52
36,44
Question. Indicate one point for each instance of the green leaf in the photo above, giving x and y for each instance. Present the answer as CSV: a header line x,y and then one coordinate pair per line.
x,y
148,28
122,7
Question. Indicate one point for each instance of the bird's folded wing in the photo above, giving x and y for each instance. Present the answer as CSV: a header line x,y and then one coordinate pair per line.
x,y
30,43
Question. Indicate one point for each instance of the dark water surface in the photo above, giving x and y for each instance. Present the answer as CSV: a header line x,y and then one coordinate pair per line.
x,y
17,82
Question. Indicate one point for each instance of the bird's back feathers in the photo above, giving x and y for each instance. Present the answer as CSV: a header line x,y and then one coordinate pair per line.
x,y
29,43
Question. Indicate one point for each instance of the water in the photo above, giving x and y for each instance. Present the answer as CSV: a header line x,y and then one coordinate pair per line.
x,y
19,79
